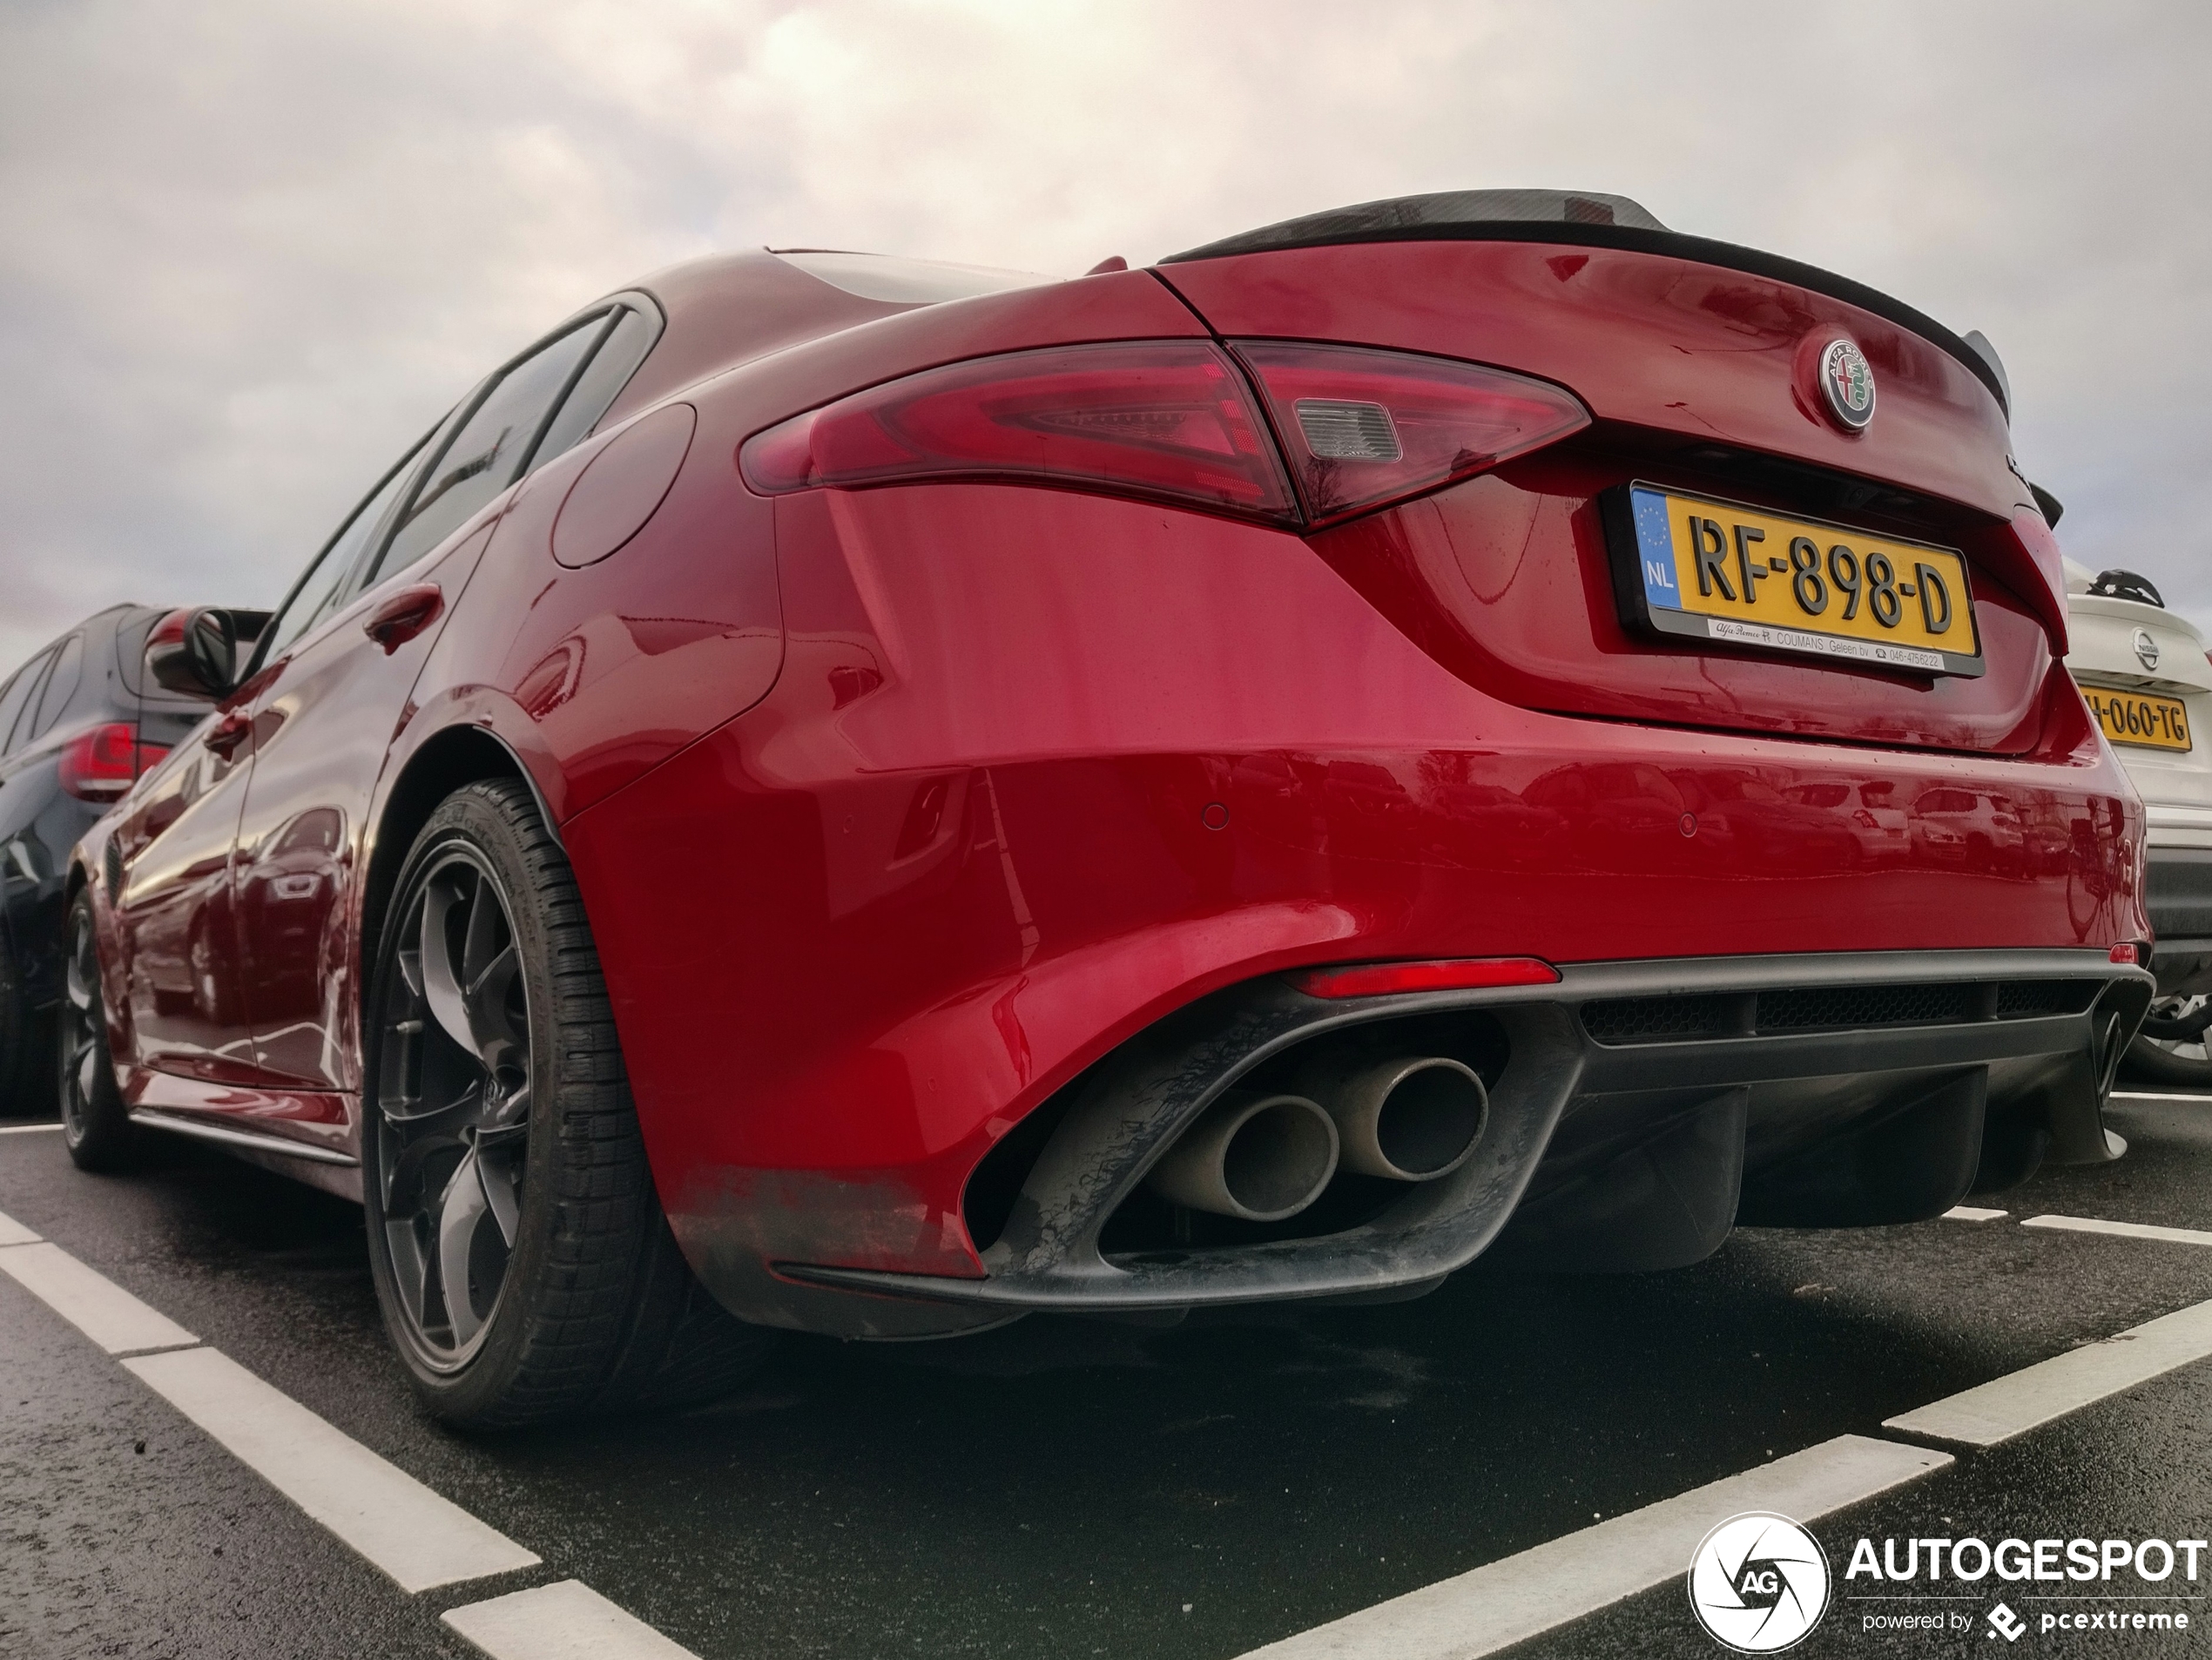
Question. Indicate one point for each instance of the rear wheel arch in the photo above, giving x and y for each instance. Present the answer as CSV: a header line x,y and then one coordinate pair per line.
x,y
590,1304
447,761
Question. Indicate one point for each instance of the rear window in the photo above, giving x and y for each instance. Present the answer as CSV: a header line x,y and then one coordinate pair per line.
x,y
487,454
912,282
17,692
610,368
61,686
131,648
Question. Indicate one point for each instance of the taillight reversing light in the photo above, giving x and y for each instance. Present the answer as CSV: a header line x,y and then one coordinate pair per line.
x,y
1170,419
1457,974
101,764
1361,427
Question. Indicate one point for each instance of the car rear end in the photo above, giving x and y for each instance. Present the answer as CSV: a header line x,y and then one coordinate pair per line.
x,y
1543,698
75,732
2143,671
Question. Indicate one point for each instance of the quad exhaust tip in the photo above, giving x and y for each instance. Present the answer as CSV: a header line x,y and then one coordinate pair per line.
x,y
1256,1156
1412,1118
1263,1157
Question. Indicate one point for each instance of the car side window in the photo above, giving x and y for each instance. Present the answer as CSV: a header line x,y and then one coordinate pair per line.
x,y
16,694
60,687
611,367
487,454
319,593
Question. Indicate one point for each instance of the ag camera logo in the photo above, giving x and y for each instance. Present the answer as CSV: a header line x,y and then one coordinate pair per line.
x,y
1758,1582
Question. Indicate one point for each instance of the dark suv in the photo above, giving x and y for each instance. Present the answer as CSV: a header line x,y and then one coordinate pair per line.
x,y
78,722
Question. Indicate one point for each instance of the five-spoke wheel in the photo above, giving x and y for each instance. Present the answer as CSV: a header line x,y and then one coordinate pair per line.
x,y
452,1113
521,1256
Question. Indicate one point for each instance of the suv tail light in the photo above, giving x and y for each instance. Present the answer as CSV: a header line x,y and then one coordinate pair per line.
x,y
101,764
1167,419
1361,427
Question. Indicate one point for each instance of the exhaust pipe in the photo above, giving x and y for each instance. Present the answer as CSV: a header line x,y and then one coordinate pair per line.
x,y
1259,1157
1412,1119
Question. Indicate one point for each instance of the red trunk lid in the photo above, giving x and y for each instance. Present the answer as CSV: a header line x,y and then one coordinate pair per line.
x,y
1702,379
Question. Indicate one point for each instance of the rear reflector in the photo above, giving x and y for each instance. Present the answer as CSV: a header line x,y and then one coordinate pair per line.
x,y
2129,951
102,763
1171,419
1380,979
1362,428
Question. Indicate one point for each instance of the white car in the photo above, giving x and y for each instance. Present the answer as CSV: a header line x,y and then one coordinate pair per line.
x,y
2147,680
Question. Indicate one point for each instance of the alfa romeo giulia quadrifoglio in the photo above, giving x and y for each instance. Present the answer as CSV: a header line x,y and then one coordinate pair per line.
x,y
842,794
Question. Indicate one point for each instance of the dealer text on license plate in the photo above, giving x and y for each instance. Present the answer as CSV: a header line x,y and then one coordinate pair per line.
x,y
1698,568
2140,718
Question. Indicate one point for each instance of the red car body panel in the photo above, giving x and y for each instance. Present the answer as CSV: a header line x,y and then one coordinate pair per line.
x,y
1544,631
895,810
1589,318
959,853
1506,580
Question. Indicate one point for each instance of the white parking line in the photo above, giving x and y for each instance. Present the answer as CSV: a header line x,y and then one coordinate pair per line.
x,y
25,1130
400,1526
423,1541
2122,1230
564,1621
2160,1094
2012,1404
1511,1601
95,1304
387,1515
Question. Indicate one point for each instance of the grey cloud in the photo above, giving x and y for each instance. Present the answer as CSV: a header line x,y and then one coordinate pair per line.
x,y
254,248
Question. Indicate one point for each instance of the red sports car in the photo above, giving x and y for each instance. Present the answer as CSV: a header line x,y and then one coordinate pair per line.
x,y
900,795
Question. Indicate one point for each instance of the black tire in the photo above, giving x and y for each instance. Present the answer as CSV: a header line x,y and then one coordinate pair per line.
x,y
96,1126
496,1099
2185,1063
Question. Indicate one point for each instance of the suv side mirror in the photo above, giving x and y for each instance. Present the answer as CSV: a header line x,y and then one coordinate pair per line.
x,y
198,653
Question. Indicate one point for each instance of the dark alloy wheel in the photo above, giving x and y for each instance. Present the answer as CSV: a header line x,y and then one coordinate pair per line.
x,y
2172,1046
453,1105
96,1126
524,1266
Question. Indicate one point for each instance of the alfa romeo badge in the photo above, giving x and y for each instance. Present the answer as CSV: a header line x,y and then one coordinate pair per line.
x,y
1847,382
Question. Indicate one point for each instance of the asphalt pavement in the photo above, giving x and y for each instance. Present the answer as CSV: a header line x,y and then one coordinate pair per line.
x,y
1072,1487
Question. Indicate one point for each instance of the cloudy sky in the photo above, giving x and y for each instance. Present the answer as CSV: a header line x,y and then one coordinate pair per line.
x,y
249,248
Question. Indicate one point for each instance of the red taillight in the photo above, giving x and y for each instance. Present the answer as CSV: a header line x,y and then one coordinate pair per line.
x,y
1459,974
1167,419
1361,427
2130,951
101,764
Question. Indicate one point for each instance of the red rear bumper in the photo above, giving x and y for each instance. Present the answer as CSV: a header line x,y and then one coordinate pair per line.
x,y
1041,769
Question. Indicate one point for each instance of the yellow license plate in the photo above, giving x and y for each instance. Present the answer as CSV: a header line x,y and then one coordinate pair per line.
x,y
2140,718
1697,568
